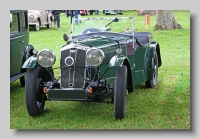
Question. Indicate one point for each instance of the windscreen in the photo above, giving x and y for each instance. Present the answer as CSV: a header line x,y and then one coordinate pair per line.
x,y
115,24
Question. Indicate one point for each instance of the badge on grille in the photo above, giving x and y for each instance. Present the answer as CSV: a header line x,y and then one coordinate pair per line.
x,y
69,61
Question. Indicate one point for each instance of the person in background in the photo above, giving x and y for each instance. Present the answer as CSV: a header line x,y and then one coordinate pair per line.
x,y
76,14
91,12
96,12
67,12
56,14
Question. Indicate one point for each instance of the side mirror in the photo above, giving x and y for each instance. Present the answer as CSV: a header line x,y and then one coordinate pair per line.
x,y
65,37
116,19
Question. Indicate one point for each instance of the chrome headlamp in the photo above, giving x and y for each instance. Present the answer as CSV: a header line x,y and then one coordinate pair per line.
x,y
31,16
94,56
46,58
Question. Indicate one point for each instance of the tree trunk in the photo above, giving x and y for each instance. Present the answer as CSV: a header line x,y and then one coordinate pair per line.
x,y
165,20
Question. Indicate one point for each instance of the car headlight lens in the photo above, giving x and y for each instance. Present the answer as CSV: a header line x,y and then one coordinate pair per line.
x,y
46,58
31,16
94,56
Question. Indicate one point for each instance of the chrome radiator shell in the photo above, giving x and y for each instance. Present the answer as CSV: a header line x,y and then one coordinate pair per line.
x,y
74,78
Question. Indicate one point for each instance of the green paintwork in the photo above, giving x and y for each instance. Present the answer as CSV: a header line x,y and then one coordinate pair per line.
x,y
31,62
141,64
143,59
18,40
111,72
139,61
19,44
98,42
67,94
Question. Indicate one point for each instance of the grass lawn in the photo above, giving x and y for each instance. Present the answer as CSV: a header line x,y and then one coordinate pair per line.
x,y
167,106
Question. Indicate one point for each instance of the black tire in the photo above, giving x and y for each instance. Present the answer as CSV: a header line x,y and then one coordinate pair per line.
x,y
37,26
22,81
49,25
152,83
120,88
35,98
50,22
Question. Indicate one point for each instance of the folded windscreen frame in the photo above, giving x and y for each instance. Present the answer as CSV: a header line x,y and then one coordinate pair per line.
x,y
102,27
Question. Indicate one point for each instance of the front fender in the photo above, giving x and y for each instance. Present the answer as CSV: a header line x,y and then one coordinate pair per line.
x,y
27,53
117,60
30,62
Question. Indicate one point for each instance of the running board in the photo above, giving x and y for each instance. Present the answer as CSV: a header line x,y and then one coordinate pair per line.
x,y
17,76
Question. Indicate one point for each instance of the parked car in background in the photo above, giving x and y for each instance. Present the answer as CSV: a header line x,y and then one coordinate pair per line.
x,y
106,12
95,65
84,12
38,18
20,49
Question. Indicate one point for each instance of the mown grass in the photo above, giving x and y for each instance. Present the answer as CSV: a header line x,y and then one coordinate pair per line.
x,y
167,106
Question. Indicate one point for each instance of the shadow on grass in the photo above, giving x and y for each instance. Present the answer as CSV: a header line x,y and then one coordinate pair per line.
x,y
16,86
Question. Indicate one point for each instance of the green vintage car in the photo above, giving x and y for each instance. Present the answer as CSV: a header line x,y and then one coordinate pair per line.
x,y
20,49
96,64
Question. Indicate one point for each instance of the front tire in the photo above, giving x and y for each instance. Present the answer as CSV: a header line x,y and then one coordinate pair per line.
x,y
120,89
35,98
152,83
49,25
37,26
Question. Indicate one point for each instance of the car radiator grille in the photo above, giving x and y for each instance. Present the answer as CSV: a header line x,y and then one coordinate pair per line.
x,y
72,78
